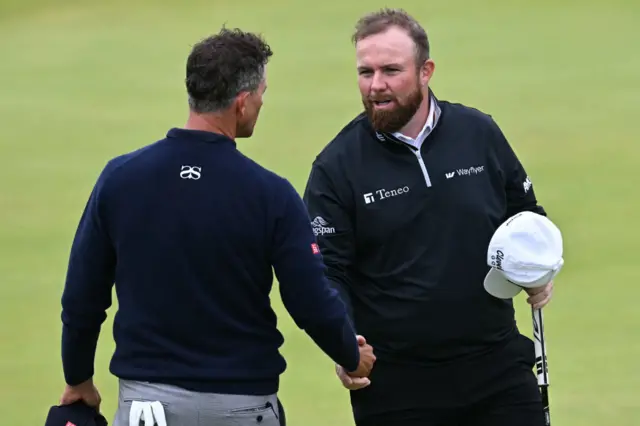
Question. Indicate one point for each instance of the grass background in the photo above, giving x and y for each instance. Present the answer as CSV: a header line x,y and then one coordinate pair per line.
x,y
82,81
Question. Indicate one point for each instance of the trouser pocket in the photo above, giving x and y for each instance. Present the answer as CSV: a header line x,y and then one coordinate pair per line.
x,y
258,414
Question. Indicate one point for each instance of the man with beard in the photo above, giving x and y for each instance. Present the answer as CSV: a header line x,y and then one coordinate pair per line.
x,y
405,200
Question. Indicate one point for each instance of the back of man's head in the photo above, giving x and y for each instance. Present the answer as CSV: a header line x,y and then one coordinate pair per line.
x,y
222,66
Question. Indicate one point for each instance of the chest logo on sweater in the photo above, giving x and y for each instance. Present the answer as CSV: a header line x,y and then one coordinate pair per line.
x,y
465,172
383,194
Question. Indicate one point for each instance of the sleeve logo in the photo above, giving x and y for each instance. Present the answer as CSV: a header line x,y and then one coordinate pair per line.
x,y
321,227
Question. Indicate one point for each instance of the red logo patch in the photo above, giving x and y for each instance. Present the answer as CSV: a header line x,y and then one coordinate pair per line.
x,y
315,248
70,424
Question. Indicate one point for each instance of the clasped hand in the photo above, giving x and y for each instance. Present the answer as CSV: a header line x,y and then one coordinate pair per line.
x,y
359,378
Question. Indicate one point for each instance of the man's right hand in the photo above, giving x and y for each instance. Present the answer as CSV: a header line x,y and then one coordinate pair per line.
x,y
358,379
367,359
85,391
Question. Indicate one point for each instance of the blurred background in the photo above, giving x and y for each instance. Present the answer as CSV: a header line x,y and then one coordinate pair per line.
x,y
83,81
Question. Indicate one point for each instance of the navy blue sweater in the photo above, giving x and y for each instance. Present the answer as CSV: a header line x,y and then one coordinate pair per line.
x,y
190,231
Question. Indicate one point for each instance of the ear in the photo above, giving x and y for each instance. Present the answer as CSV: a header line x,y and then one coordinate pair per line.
x,y
426,72
241,103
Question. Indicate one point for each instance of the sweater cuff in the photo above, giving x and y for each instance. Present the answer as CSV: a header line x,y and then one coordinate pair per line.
x,y
78,354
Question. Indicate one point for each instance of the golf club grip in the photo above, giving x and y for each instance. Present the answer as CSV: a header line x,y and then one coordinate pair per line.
x,y
542,370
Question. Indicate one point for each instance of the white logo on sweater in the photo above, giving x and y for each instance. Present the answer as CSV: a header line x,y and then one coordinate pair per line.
x,y
465,172
190,172
320,227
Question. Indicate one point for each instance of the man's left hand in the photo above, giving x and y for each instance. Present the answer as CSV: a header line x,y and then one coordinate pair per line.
x,y
85,391
539,297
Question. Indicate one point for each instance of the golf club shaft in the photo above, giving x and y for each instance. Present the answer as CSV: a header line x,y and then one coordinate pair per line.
x,y
541,361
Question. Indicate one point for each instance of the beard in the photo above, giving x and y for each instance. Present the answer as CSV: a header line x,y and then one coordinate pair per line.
x,y
394,119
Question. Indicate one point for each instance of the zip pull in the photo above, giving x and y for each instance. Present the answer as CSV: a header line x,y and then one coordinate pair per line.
x,y
425,173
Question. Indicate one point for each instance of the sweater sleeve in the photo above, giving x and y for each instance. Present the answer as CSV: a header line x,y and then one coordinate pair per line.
x,y
519,189
333,229
87,290
306,293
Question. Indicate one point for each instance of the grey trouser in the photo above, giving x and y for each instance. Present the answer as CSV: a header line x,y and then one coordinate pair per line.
x,y
187,408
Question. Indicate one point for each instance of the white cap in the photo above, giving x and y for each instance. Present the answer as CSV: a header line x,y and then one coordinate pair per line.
x,y
525,252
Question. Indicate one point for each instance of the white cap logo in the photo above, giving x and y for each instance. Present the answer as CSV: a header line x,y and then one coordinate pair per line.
x,y
525,252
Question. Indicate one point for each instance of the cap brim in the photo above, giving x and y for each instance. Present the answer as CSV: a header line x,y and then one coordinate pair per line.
x,y
497,286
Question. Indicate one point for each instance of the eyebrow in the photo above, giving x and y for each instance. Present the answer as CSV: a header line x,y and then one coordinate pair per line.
x,y
385,66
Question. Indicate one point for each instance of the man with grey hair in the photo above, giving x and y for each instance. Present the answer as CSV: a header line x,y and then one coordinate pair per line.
x,y
413,189
189,230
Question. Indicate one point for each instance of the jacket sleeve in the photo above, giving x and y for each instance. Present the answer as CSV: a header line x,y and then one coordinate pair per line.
x,y
332,225
519,189
306,293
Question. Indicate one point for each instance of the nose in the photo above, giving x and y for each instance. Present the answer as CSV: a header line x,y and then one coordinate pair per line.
x,y
378,82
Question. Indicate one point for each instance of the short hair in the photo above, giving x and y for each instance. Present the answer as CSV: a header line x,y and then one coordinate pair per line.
x,y
383,19
222,66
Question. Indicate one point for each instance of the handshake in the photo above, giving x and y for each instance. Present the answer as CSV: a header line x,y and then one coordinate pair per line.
x,y
360,378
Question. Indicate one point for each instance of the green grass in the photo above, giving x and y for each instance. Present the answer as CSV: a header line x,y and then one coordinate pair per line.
x,y
81,82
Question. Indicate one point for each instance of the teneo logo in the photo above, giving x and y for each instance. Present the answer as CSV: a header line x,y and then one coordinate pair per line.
x,y
190,172
496,259
526,185
383,193
368,198
320,227
466,172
